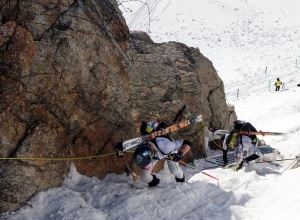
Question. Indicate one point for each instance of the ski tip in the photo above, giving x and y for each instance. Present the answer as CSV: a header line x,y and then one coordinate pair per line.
x,y
196,119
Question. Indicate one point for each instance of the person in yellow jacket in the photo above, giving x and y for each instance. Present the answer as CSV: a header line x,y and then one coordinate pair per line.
x,y
278,83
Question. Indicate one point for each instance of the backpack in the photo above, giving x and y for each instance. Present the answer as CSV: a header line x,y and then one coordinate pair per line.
x,y
245,126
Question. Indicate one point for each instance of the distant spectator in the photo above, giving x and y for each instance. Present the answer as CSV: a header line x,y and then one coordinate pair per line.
x,y
278,83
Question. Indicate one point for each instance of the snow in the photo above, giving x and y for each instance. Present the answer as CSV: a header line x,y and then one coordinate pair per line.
x,y
251,43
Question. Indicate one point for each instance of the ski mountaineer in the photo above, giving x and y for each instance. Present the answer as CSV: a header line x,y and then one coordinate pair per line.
x,y
244,146
148,154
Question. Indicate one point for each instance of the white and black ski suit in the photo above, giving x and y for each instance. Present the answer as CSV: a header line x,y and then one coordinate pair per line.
x,y
163,147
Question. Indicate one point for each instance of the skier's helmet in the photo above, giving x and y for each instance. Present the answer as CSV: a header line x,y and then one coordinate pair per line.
x,y
142,155
239,124
232,141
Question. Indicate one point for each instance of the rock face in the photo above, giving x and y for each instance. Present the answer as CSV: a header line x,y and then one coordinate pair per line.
x,y
74,81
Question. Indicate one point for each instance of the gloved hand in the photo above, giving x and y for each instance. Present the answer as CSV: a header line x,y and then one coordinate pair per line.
x,y
176,157
119,149
212,129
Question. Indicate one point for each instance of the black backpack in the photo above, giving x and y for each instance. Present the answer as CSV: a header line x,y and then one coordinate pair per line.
x,y
245,126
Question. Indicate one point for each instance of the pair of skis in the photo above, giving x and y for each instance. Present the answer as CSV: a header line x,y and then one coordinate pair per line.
x,y
263,133
121,147
131,143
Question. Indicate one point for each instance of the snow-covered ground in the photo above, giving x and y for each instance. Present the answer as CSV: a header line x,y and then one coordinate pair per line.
x,y
251,43
240,37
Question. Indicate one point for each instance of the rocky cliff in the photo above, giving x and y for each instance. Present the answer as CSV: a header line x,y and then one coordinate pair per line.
x,y
74,81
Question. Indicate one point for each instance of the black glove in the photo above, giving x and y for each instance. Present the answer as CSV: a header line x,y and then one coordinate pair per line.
x,y
119,149
176,157
154,181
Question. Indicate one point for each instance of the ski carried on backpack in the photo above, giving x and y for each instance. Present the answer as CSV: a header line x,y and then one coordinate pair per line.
x,y
240,132
263,133
121,147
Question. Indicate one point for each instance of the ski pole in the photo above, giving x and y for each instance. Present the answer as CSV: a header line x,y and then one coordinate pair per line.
x,y
193,167
133,175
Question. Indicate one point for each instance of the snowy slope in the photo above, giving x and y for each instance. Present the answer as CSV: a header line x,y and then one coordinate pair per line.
x,y
241,38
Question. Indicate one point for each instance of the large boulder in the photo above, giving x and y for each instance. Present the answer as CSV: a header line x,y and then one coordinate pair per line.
x,y
74,81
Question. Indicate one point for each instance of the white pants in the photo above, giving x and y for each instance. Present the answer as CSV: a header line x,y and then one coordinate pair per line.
x,y
245,149
174,168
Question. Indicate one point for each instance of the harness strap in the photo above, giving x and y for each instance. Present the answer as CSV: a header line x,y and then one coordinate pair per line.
x,y
154,144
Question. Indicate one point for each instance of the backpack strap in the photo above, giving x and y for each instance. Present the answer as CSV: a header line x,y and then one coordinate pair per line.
x,y
154,144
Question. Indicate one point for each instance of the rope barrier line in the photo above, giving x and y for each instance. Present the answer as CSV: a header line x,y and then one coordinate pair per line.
x,y
198,133
294,162
73,158
217,145
55,159
199,171
106,29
